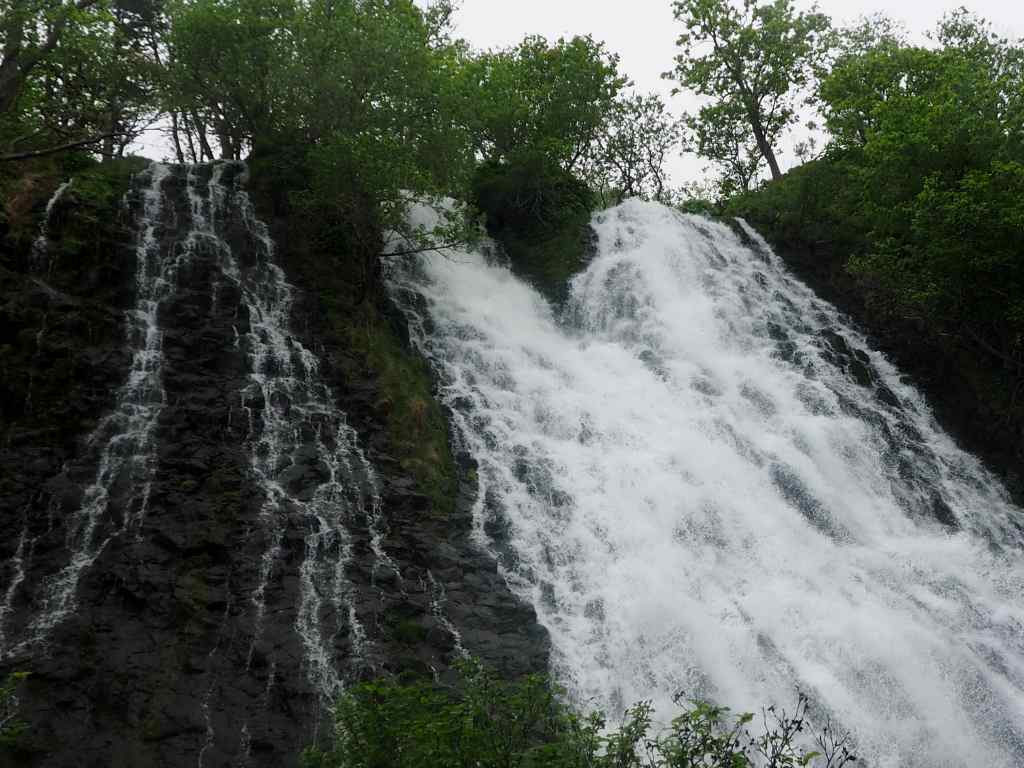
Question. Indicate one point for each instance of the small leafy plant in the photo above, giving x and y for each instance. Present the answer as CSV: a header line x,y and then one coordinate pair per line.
x,y
486,722
11,726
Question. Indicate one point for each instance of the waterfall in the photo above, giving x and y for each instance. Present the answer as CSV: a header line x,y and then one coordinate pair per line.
x,y
706,481
41,256
122,441
17,567
304,458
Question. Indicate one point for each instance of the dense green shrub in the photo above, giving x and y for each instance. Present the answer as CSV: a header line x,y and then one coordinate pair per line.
x,y
491,723
814,204
540,213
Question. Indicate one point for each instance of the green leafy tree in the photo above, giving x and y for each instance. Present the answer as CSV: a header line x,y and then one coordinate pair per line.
x,y
934,139
74,75
225,61
533,115
751,61
356,96
628,156
540,99
372,84
30,32
721,133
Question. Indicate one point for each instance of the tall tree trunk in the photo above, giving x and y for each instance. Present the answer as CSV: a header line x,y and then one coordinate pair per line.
x,y
113,118
176,138
205,153
762,144
227,147
10,64
188,135
10,81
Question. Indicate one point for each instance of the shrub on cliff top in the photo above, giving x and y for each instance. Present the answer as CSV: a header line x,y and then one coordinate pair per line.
x,y
540,213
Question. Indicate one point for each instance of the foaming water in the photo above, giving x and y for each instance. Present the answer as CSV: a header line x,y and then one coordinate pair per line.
x,y
705,481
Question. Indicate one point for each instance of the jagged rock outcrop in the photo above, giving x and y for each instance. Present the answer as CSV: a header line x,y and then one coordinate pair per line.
x,y
251,540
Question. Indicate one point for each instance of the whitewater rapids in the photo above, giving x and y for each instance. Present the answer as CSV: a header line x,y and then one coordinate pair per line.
x,y
705,481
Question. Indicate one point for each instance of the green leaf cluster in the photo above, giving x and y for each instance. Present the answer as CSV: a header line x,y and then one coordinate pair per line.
x,y
539,100
71,71
378,105
917,198
934,139
753,62
487,722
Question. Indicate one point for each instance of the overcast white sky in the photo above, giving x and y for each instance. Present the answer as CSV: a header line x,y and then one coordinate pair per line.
x,y
643,33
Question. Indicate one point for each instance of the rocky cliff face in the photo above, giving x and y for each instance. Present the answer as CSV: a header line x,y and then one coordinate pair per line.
x,y
206,531
971,397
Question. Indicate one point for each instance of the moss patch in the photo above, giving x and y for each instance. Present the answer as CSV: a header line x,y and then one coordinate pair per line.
x,y
417,426
25,188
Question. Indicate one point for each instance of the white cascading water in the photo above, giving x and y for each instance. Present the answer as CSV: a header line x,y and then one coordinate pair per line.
x,y
40,263
41,255
123,439
679,474
304,456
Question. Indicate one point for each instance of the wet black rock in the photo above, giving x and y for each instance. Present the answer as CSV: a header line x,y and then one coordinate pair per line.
x,y
162,662
961,383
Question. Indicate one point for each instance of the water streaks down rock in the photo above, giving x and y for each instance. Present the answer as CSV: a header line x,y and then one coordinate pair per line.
x,y
207,555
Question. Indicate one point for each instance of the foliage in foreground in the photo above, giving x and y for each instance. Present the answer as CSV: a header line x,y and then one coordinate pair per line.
x,y
11,727
492,723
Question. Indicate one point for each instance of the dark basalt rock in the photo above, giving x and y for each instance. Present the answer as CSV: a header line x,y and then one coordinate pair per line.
x,y
161,664
957,380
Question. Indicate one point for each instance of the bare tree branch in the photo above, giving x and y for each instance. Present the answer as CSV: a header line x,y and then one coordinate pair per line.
x,y
59,148
441,247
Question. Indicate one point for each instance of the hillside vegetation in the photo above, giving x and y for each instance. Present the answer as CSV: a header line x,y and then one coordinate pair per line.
x,y
913,217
